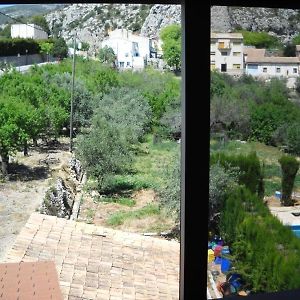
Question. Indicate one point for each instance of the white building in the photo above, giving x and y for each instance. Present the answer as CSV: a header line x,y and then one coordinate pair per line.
x,y
29,31
226,52
131,50
262,66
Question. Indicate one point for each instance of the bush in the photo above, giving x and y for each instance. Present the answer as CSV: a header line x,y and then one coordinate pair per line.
x,y
289,167
169,193
12,47
250,170
220,183
103,151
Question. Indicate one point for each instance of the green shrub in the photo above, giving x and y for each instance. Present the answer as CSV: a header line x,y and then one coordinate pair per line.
x,y
250,170
289,167
12,47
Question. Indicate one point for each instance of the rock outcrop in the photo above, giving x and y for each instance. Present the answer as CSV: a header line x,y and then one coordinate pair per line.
x,y
283,23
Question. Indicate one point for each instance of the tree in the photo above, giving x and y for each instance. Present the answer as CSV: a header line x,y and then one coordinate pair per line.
x,y
289,168
114,107
107,56
46,48
42,22
6,31
289,50
103,151
171,38
60,48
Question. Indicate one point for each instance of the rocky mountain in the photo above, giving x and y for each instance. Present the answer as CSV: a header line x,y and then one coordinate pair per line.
x,y
283,23
26,10
92,22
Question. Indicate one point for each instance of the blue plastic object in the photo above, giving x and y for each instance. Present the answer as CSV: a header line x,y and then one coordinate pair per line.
x,y
225,265
218,260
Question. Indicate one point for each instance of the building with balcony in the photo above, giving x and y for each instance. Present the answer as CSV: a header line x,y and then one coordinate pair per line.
x,y
28,31
226,52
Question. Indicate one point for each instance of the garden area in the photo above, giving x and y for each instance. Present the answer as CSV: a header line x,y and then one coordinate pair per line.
x,y
254,150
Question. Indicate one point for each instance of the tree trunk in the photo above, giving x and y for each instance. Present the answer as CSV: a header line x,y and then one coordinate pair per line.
x,y
25,149
4,164
34,140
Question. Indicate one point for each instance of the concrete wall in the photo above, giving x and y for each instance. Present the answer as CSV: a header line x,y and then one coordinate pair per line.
x,y
23,61
23,31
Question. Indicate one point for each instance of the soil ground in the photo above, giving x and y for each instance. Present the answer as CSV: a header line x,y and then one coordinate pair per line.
x,y
23,193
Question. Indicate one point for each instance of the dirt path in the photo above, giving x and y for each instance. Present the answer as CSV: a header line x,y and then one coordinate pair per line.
x,y
24,192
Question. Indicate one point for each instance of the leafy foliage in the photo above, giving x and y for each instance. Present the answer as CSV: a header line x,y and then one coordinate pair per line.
x,y
60,48
289,166
107,56
171,38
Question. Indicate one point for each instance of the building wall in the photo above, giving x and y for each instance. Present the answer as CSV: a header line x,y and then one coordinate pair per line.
x,y
285,70
24,31
121,41
233,58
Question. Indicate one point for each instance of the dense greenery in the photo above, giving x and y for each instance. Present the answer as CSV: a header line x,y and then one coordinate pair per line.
x,y
107,56
260,39
10,47
289,166
264,251
253,110
171,38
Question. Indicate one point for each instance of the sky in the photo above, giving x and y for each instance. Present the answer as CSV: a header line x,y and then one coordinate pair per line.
x,y
5,5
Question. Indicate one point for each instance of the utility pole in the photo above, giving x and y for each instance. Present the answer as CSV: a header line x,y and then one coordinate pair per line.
x,y
72,95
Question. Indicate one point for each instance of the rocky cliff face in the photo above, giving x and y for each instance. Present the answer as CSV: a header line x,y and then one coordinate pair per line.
x,y
92,22
283,23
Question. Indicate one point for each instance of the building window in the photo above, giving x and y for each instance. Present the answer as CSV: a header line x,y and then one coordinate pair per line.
x,y
128,64
221,45
236,66
265,70
135,49
121,64
236,53
224,53
295,71
212,53
236,43
126,54
277,70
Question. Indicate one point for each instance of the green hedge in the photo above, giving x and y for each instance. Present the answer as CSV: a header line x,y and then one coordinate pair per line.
x,y
249,168
11,47
264,251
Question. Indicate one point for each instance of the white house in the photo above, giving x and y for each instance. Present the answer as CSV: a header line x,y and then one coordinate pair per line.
x,y
262,66
131,50
30,31
226,52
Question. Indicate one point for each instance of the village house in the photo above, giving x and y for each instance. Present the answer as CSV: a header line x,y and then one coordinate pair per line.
x,y
132,50
28,31
226,52
259,65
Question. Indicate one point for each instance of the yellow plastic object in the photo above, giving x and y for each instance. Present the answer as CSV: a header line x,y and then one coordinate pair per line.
x,y
210,256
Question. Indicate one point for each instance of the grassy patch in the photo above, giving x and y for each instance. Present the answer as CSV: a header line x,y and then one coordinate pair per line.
x,y
120,217
119,200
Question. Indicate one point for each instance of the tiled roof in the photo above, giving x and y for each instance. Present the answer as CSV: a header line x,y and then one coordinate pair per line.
x,y
254,53
29,281
95,262
273,59
221,35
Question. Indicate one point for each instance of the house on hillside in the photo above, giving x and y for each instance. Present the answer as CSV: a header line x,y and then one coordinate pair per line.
x,y
226,52
132,50
263,66
28,31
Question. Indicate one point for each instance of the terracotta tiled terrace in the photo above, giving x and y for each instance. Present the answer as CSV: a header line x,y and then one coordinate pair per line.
x,y
94,262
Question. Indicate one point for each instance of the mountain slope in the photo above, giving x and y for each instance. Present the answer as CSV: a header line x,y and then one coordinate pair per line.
x,y
92,22
283,23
